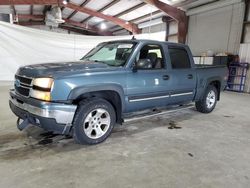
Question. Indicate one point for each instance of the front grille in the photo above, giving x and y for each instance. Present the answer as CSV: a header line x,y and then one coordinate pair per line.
x,y
23,85
24,80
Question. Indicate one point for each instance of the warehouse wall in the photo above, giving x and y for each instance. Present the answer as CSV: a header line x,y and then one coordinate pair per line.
x,y
173,30
155,28
218,29
159,28
246,29
245,57
121,32
245,47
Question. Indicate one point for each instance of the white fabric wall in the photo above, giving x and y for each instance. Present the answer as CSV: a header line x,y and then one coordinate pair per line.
x,y
22,45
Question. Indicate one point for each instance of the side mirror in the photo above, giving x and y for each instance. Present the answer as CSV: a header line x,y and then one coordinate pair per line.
x,y
134,67
143,64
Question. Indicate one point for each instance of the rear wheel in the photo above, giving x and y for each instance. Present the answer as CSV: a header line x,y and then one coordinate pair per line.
x,y
94,121
208,101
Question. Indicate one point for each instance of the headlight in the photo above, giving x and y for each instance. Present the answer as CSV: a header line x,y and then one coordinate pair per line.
x,y
45,83
41,88
43,95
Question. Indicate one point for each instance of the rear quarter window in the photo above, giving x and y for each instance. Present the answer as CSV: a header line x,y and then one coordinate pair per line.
x,y
179,58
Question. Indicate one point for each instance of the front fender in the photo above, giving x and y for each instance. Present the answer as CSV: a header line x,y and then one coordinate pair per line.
x,y
78,91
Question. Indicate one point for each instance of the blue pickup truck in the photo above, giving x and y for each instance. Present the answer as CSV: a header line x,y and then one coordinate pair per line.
x,y
87,98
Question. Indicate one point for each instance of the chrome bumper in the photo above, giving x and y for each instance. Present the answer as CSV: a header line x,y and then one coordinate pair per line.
x,y
62,113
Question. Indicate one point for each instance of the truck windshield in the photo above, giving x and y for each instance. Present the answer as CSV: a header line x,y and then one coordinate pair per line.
x,y
111,53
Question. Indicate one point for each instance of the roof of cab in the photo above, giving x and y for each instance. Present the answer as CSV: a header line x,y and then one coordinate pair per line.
x,y
148,41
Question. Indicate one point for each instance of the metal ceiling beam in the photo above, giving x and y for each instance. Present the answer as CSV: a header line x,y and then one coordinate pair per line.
x,y
165,19
30,23
41,17
29,16
87,27
128,11
30,2
67,21
85,2
145,16
171,11
140,18
76,30
112,3
129,26
176,14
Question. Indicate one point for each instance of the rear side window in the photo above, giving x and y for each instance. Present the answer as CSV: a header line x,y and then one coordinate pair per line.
x,y
179,58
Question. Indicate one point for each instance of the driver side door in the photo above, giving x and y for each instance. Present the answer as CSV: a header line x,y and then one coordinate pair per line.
x,y
147,86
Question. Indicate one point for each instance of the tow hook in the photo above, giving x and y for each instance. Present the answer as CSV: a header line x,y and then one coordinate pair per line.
x,y
22,124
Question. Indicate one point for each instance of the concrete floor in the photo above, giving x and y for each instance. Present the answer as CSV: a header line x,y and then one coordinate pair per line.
x,y
210,150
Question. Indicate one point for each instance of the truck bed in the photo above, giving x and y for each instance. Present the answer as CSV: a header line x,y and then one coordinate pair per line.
x,y
206,73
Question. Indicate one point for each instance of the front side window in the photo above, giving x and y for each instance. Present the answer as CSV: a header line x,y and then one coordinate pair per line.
x,y
150,57
111,53
179,58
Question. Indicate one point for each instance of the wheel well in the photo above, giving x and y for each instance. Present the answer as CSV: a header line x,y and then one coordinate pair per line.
x,y
111,96
217,85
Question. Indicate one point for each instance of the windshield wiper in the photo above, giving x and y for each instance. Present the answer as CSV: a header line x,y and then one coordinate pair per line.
x,y
84,59
97,61
106,63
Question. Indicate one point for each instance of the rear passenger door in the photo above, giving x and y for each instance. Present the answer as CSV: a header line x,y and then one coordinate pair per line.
x,y
182,75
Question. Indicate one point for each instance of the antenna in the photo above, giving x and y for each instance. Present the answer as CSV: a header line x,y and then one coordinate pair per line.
x,y
151,15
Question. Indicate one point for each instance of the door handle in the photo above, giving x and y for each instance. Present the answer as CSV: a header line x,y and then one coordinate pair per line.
x,y
190,76
165,77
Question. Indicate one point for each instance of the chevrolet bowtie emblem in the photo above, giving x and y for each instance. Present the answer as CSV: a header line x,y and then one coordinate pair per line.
x,y
17,83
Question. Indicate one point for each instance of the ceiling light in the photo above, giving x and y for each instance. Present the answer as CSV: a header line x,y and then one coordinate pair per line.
x,y
103,26
65,2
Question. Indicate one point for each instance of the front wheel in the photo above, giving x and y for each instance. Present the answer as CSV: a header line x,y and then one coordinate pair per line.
x,y
94,121
208,101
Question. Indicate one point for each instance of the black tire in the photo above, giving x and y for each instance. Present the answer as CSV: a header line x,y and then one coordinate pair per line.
x,y
85,108
202,105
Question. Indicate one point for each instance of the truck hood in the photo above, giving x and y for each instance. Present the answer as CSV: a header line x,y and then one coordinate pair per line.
x,y
62,68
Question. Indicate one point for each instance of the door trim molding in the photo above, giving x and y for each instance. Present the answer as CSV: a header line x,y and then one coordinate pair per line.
x,y
137,99
181,94
148,98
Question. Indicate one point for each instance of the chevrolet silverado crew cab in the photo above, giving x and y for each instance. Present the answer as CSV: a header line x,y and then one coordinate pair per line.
x,y
87,98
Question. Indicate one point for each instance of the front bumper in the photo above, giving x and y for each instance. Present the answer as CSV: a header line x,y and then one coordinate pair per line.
x,y
56,117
